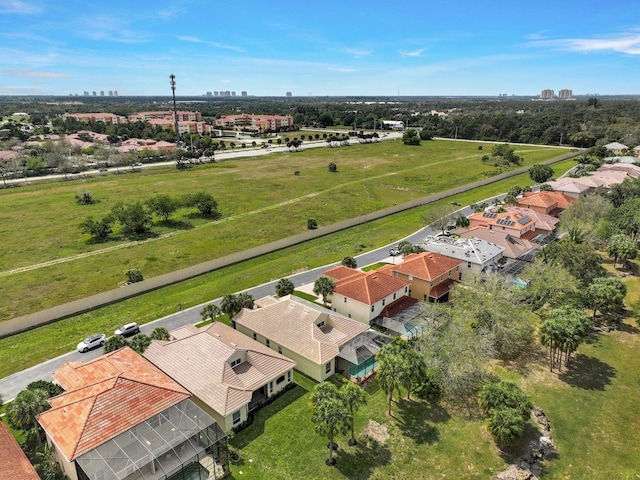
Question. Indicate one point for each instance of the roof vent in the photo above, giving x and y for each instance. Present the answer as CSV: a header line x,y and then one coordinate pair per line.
x,y
216,334
233,344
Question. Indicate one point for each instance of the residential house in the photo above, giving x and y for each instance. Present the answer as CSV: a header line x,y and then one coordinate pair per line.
x,y
514,224
550,203
477,255
543,223
633,171
228,373
121,417
616,148
320,341
570,187
431,275
363,295
514,247
15,464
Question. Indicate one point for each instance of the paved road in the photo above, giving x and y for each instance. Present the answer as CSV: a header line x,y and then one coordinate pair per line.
x,y
10,386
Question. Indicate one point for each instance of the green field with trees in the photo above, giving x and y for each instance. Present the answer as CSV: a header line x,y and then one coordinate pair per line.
x,y
158,221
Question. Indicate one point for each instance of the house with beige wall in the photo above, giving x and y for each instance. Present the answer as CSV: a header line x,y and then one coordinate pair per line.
x,y
121,417
229,374
431,275
320,341
363,295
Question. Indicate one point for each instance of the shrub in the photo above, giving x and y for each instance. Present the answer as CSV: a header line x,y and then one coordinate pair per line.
x,y
333,167
312,224
134,275
85,198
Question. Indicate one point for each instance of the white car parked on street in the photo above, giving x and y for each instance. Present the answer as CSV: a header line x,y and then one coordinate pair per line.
x,y
92,341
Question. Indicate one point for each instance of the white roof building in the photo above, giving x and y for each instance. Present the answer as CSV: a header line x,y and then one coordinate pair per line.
x,y
476,254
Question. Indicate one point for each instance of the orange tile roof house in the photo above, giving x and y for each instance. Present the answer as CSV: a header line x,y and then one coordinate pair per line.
x,y
431,275
320,341
121,417
551,203
229,374
14,464
363,295
514,224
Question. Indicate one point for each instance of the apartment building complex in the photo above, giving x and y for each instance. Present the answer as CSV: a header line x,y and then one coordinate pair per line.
x,y
256,123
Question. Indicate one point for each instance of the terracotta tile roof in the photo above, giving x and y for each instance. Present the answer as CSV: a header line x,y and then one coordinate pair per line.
x,y
292,323
542,221
397,306
365,287
425,265
15,464
106,397
199,359
442,288
518,222
545,199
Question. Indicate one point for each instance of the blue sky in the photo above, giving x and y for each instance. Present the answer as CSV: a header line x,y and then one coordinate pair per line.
x,y
344,47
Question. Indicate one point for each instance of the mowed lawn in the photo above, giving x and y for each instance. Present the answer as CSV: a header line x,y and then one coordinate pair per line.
x,y
49,341
593,408
424,441
260,200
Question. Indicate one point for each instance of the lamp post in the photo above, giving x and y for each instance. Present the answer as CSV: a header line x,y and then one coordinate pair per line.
x,y
172,79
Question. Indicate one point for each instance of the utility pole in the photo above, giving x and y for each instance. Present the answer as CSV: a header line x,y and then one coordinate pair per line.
x,y
172,81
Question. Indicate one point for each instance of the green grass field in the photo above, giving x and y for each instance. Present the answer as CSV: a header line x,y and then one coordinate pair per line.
x,y
52,340
592,408
260,199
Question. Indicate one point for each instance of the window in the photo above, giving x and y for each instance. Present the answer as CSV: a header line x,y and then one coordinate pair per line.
x,y
327,368
255,337
432,283
460,276
345,299
383,300
394,296
280,379
373,307
424,298
321,324
236,417
468,264
289,376
235,362
279,349
270,388
267,342
233,324
406,289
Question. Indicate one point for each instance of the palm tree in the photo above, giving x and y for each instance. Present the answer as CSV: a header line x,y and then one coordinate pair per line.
x,y
23,411
330,414
353,397
210,312
245,300
284,286
139,343
160,333
114,343
390,370
229,305
323,286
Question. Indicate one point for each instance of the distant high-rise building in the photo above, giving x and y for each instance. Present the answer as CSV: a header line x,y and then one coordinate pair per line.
x,y
208,94
233,94
243,93
565,93
94,93
216,93
288,94
102,93
115,93
546,94
111,93
86,94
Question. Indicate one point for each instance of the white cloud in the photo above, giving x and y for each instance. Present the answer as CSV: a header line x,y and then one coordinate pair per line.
x,y
414,53
18,7
628,43
357,53
342,69
211,44
19,73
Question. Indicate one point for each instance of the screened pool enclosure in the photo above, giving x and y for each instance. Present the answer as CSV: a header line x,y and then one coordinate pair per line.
x,y
181,440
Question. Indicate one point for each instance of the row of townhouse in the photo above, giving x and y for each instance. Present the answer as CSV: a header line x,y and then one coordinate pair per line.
x,y
191,122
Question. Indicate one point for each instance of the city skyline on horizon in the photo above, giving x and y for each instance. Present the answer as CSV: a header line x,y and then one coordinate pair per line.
x,y
340,50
